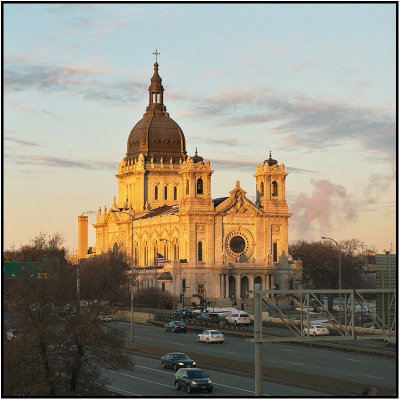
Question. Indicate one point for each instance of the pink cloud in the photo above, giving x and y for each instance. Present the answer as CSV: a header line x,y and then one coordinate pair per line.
x,y
328,202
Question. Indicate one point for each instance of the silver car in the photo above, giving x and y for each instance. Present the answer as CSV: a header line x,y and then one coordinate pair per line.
x,y
210,336
316,330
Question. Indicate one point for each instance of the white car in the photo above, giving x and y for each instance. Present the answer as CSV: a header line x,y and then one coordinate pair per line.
x,y
316,330
104,317
211,336
13,333
238,319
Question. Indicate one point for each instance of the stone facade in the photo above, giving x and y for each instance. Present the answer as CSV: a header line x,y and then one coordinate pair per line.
x,y
222,246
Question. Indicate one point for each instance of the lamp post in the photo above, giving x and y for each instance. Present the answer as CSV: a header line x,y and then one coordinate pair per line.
x,y
340,277
132,219
173,296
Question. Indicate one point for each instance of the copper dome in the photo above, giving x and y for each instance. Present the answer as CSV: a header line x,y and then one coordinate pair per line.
x,y
156,134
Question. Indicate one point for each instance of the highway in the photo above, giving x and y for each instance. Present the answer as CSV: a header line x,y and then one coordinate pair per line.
x,y
364,369
148,378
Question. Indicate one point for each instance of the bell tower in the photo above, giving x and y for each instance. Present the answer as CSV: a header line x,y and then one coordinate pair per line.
x,y
196,184
270,185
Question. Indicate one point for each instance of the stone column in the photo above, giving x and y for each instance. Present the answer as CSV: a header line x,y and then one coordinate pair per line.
x,y
251,283
237,286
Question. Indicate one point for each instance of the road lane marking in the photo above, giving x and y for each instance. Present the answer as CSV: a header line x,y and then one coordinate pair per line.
x,y
377,377
122,390
153,369
232,387
291,362
142,379
286,350
352,359
232,352
121,373
177,343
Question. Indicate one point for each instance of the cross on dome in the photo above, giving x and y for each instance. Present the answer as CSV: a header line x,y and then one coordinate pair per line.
x,y
156,53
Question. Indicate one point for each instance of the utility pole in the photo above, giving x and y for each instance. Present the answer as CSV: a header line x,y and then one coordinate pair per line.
x,y
258,340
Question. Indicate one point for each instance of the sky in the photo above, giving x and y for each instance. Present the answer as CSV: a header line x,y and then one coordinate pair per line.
x,y
314,83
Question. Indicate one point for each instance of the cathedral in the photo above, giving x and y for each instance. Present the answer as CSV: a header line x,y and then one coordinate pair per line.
x,y
218,248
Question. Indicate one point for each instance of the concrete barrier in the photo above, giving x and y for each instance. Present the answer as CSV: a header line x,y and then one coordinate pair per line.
x,y
138,317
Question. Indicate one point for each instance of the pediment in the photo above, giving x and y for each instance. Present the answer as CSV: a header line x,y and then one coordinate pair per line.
x,y
238,203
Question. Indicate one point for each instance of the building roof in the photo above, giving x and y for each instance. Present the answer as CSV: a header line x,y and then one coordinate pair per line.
x,y
156,135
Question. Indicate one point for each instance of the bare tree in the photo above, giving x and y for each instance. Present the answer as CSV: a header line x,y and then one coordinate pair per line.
x,y
58,353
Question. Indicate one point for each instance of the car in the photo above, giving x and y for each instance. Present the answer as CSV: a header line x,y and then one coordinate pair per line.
x,y
316,330
176,361
183,313
238,319
13,334
210,336
175,326
193,379
209,317
390,340
104,317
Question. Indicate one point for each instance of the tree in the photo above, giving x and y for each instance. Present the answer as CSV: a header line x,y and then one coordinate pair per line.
x,y
106,278
152,297
59,353
320,264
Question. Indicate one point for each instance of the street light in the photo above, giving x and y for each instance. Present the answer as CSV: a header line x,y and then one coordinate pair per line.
x,y
340,277
132,219
173,297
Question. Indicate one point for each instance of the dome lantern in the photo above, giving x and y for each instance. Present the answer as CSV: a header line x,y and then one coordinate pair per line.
x,y
156,135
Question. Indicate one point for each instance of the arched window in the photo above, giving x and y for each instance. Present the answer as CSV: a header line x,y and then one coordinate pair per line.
x,y
274,188
200,186
115,248
146,255
275,252
165,192
175,193
187,187
155,251
200,251
262,189
156,193
166,250
176,245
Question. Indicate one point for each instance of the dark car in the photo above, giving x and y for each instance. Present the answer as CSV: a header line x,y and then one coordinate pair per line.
x,y
176,361
183,313
175,326
193,379
209,317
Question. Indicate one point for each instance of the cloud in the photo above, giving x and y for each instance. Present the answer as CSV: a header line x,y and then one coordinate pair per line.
x,y
86,80
305,64
302,120
207,139
294,170
279,52
327,203
234,164
52,161
21,141
19,107
51,114
378,185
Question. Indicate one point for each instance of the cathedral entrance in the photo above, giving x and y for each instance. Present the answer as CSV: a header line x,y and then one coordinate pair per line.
x,y
244,287
232,287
